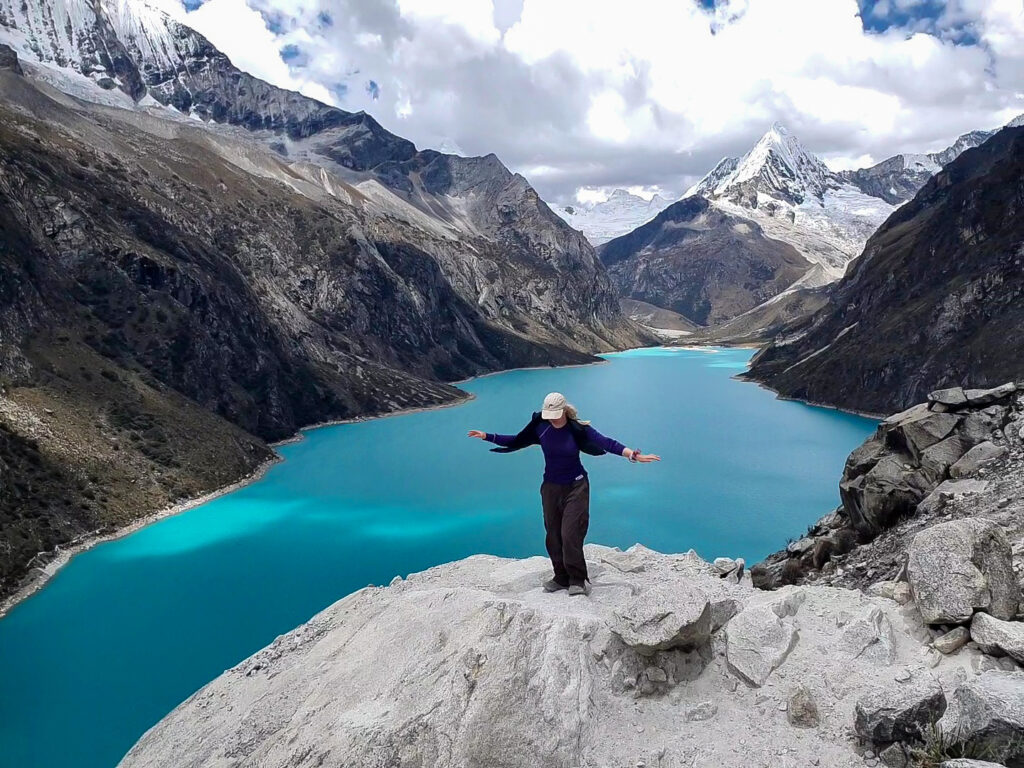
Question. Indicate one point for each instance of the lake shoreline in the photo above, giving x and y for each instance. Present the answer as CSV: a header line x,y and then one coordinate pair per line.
x,y
62,554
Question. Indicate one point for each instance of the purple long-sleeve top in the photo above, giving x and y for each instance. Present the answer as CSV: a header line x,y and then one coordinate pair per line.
x,y
562,463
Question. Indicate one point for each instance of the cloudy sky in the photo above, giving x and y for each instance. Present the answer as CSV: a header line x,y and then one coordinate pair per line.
x,y
582,96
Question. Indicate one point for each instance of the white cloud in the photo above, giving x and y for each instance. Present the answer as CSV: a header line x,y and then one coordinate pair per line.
x,y
593,94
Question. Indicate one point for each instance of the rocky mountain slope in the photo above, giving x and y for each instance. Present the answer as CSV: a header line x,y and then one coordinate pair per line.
x,y
935,300
666,663
621,213
705,264
175,293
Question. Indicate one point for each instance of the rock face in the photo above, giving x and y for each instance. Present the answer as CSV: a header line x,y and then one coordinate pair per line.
x,y
960,567
458,665
701,262
897,327
902,474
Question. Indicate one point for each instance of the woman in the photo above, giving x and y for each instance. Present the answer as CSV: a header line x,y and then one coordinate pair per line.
x,y
565,492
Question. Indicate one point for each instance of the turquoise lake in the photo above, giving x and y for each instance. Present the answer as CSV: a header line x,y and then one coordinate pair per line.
x,y
130,628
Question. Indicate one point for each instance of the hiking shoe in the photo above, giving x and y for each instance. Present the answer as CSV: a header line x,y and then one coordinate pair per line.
x,y
580,589
553,586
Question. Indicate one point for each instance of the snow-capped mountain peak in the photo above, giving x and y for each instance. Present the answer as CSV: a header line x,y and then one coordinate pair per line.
x,y
781,163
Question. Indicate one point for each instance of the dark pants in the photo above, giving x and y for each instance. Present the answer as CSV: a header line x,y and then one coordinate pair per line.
x,y
566,519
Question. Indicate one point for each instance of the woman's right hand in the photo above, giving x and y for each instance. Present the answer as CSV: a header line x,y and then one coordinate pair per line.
x,y
477,433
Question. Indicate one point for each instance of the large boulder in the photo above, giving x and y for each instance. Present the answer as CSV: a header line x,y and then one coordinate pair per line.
x,y
760,637
665,616
985,716
905,713
951,398
882,494
959,567
998,637
964,762
917,428
989,396
979,456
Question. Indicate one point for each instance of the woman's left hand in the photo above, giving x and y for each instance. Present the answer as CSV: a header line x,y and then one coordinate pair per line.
x,y
645,458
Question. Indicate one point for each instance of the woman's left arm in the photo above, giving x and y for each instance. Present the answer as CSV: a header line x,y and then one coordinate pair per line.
x,y
614,446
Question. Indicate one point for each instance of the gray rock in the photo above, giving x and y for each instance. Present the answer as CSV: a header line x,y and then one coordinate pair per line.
x,y
893,756
633,560
998,637
917,428
901,593
802,711
953,397
887,491
989,396
665,616
882,589
703,711
902,713
952,641
959,567
800,546
758,640
937,459
979,456
963,762
869,635
949,489
982,425
986,717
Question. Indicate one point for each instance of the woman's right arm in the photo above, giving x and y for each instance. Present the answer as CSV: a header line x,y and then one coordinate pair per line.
x,y
503,440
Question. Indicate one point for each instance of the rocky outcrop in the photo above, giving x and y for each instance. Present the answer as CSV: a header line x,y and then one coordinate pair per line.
x,y
458,665
902,473
701,262
935,300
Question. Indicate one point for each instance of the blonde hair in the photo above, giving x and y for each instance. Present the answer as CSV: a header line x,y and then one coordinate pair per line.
x,y
571,413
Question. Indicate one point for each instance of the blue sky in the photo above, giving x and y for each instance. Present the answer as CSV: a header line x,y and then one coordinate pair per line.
x,y
595,94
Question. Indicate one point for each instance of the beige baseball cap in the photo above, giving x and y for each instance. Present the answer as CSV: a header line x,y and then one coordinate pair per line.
x,y
554,405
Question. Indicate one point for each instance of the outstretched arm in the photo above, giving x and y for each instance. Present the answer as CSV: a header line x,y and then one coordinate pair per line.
x,y
492,437
614,446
